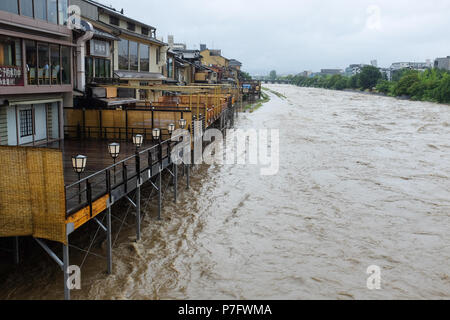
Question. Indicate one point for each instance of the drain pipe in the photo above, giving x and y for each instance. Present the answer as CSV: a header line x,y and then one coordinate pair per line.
x,y
81,54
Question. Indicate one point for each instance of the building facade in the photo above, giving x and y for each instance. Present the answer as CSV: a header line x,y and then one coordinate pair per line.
x,y
123,49
36,70
442,63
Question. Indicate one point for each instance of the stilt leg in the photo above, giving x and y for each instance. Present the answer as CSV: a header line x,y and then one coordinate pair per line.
x,y
159,194
187,176
108,241
65,270
138,213
175,182
16,250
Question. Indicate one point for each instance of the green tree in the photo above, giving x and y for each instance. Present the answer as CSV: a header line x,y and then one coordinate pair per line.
x,y
273,75
384,86
369,76
245,76
402,87
443,91
353,82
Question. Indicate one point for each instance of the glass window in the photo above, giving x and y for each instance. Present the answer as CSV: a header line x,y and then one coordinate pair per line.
x,y
89,68
9,5
170,68
158,55
55,64
26,8
144,57
114,20
31,58
66,53
100,68
40,9
26,123
9,56
123,55
134,62
52,11
145,31
107,68
11,72
44,64
62,12
131,26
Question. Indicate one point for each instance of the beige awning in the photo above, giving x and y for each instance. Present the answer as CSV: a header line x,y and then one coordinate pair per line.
x,y
33,101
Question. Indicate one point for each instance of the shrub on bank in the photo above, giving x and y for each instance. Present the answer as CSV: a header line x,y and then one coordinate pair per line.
x,y
430,85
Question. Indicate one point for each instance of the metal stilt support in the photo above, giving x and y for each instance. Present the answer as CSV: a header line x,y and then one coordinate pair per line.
x,y
108,241
66,269
16,250
175,182
159,194
187,176
138,212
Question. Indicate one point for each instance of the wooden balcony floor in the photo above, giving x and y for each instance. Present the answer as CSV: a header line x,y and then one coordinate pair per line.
x,y
98,157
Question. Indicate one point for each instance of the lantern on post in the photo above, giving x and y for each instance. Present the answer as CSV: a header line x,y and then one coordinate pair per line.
x,y
114,150
138,140
79,165
182,123
156,134
171,128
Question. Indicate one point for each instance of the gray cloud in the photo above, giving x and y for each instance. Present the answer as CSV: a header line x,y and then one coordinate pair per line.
x,y
292,36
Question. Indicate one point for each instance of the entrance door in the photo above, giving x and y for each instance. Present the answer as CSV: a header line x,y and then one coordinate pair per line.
x,y
32,123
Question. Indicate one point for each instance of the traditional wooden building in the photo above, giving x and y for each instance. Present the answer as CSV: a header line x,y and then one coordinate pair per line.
x,y
36,69
123,50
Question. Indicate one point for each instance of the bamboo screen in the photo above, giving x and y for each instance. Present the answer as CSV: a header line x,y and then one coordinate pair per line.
x,y
32,196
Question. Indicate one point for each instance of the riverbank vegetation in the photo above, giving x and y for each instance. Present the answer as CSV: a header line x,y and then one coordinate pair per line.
x,y
430,85
279,95
252,107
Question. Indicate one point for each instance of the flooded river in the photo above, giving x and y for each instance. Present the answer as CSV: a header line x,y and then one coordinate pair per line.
x,y
363,180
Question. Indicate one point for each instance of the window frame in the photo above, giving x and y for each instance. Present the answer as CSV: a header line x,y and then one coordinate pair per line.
x,y
26,129
114,18
131,26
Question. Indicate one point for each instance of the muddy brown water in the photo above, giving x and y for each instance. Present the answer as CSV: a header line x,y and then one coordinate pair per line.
x,y
363,180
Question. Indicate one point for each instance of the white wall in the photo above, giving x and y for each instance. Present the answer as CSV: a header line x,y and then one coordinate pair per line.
x,y
40,123
11,120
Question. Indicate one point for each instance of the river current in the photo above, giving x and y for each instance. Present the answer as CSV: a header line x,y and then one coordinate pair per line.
x,y
363,180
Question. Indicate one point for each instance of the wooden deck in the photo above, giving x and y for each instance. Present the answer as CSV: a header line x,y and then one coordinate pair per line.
x,y
98,157
123,178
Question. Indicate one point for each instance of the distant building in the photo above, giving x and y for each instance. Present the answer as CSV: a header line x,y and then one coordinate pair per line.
x,y
326,72
374,63
442,63
354,69
306,74
409,65
235,64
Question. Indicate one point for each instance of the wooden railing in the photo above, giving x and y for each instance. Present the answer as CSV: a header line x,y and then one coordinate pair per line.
x,y
119,179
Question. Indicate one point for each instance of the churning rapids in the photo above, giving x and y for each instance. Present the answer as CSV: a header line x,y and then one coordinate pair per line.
x,y
364,180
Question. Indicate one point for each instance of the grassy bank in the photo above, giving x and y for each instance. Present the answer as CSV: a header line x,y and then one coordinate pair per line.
x,y
279,95
431,85
252,107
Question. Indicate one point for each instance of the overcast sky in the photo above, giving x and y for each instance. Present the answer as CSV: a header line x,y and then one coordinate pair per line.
x,y
292,36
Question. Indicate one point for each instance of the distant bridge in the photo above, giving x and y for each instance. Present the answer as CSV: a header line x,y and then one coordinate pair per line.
x,y
276,81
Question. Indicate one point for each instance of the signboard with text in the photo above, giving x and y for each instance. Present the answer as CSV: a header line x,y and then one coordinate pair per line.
x,y
99,48
11,76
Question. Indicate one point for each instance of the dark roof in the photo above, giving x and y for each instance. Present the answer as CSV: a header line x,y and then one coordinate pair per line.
x,y
139,75
117,13
234,62
104,35
110,102
119,31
